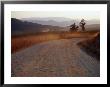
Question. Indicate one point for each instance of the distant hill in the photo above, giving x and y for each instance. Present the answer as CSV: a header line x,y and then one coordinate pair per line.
x,y
58,21
54,21
19,27
23,27
92,27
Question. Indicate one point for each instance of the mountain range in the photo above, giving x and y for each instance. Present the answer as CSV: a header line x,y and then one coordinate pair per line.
x,y
58,21
19,27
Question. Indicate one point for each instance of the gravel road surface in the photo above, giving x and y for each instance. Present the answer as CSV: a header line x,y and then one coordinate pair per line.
x,y
57,58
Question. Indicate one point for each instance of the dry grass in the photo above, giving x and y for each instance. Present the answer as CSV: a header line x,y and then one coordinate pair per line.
x,y
92,46
20,42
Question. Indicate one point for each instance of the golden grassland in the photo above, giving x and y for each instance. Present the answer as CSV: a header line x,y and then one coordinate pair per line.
x,y
23,41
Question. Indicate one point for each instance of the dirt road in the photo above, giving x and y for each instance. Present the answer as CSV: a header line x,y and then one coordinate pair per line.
x,y
58,58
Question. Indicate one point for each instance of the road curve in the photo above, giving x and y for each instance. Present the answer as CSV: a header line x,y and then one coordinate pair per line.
x,y
58,58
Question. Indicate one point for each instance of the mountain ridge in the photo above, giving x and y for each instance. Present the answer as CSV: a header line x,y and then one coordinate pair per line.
x,y
58,21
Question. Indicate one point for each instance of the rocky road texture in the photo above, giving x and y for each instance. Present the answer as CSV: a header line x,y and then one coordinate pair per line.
x,y
58,58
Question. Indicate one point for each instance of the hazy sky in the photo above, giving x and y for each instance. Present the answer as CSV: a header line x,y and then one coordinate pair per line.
x,y
67,14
